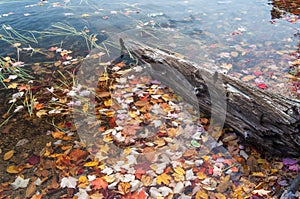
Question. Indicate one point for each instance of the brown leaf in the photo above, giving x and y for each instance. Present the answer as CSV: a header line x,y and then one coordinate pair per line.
x,y
78,154
248,78
104,94
141,103
189,153
224,184
31,189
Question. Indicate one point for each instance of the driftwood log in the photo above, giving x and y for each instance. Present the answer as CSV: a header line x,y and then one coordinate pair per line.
x,y
268,121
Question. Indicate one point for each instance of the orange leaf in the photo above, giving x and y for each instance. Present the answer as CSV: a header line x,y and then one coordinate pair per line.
x,y
99,183
142,195
139,172
39,106
23,88
78,154
124,187
57,134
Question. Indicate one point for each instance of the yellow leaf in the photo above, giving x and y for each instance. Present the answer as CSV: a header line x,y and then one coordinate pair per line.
x,y
248,78
107,138
146,180
104,148
82,179
109,179
8,155
83,182
258,174
262,161
13,85
163,178
13,169
108,102
178,177
201,175
220,196
179,170
123,187
85,107
40,113
91,164
201,194
103,78
206,158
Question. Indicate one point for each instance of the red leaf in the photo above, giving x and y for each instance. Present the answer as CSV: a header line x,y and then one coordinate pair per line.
x,y
262,86
139,172
34,159
257,73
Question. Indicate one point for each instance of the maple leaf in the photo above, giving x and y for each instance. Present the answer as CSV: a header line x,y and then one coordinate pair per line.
x,y
20,183
163,178
123,187
78,154
69,182
99,183
261,192
139,172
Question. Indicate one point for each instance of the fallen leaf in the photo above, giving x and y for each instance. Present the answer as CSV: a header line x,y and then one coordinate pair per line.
x,y
262,86
31,189
13,169
78,154
261,192
99,183
248,78
124,187
8,155
57,134
220,196
20,183
201,194
163,178
69,182
91,164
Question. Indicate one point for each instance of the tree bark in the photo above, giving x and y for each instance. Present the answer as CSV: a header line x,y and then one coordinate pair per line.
x,y
268,121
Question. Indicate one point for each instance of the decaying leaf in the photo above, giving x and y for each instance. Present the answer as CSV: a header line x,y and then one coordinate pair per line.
x,y
8,155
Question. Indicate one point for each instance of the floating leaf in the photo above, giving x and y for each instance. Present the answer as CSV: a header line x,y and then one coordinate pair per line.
x,y
248,78
195,143
262,86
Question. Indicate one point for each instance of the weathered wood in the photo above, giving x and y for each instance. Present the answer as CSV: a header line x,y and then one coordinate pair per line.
x,y
269,121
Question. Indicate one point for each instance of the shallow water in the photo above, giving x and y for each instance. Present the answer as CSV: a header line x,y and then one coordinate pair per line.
x,y
246,39
236,37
